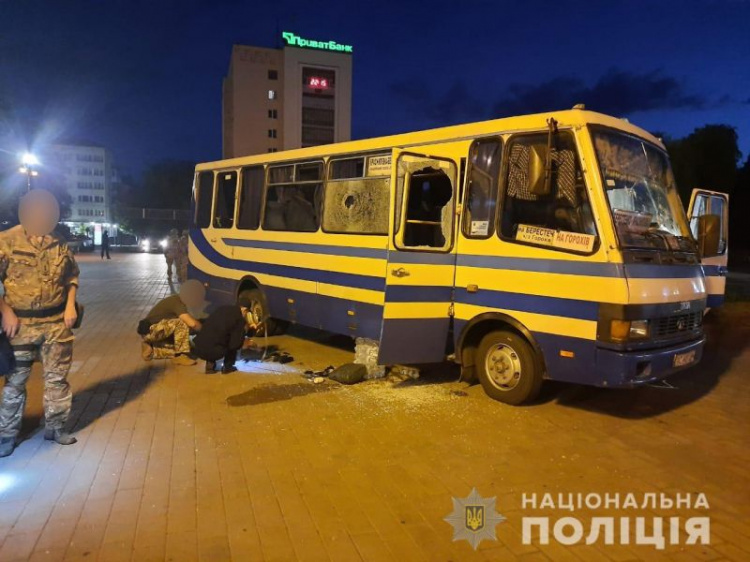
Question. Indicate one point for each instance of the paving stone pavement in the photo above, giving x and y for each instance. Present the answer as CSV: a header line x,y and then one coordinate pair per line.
x,y
172,464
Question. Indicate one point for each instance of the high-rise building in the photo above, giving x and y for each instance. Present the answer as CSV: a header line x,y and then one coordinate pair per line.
x,y
87,173
278,99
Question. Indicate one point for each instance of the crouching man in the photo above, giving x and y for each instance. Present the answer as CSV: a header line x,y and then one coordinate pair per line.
x,y
166,328
222,336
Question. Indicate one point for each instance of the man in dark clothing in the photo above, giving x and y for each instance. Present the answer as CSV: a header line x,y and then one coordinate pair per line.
x,y
105,244
222,335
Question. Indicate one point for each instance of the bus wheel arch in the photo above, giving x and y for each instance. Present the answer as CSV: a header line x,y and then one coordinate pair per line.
x,y
252,293
480,326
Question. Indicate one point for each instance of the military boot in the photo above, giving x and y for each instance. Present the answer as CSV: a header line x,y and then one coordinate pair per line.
x,y
7,445
59,436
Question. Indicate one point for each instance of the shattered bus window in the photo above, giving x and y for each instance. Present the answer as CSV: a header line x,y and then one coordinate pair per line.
x,y
429,204
357,206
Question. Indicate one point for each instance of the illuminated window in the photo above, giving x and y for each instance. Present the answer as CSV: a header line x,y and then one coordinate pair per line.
x,y
271,94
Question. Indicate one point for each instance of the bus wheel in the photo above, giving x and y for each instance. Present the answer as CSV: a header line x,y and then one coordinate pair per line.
x,y
507,368
259,310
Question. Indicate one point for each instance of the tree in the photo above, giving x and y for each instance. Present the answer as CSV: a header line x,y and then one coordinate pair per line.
x,y
164,185
706,158
739,205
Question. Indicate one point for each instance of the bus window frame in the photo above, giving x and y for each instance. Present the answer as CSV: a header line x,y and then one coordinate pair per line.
x,y
216,197
197,199
399,229
500,185
240,184
353,156
267,185
503,189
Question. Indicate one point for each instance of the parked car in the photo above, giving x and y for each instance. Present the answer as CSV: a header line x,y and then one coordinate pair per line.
x,y
80,243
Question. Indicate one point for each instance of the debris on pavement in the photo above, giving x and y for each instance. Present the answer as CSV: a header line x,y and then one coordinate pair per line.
x,y
349,373
402,373
366,353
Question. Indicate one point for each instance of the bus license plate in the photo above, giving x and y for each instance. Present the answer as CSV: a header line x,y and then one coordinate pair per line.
x,y
682,359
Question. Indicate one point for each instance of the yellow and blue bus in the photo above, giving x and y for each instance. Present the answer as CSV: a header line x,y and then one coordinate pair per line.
x,y
549,246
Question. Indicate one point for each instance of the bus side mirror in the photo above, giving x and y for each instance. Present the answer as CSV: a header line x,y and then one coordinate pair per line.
x,y
709,227
537,165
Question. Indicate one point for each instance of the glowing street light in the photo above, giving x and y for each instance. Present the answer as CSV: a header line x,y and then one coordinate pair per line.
x,y
28,161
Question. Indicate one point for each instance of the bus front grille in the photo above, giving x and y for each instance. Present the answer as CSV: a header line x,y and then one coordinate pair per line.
x,y
671,325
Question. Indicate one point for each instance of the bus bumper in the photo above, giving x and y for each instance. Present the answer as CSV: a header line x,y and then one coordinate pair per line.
x,y
633,368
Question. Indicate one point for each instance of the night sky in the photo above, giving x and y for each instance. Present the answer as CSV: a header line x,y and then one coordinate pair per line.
x,y
144,78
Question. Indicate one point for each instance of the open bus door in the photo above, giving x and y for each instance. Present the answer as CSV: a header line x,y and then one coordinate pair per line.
x,y
709,223
421,259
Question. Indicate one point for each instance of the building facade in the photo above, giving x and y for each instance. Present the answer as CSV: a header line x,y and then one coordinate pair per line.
x,y
293,97
87,173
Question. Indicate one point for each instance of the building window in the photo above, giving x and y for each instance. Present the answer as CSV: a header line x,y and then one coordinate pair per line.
x,y
271,94
273,75
271,133
273,113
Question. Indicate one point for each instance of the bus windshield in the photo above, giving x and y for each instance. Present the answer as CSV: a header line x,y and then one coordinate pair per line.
x,y
641,193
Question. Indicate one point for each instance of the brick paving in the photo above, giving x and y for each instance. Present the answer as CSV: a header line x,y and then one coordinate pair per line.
x,y
173,464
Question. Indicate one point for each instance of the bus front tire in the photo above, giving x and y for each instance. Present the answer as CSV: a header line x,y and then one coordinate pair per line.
x,y
259,309
508,368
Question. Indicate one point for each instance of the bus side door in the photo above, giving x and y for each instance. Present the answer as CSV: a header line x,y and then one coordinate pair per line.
x,y
421,260
702,203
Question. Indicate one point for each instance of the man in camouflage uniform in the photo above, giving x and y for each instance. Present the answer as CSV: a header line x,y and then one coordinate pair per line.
x,y
182,257
170,252
40,277
166,328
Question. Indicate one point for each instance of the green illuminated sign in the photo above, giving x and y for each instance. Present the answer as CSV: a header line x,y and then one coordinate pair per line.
x,y
293,40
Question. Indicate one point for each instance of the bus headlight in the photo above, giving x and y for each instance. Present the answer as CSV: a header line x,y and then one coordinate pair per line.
x,y
623,330
638,329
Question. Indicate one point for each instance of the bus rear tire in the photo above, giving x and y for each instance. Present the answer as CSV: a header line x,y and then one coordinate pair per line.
x,y
259,309
508,368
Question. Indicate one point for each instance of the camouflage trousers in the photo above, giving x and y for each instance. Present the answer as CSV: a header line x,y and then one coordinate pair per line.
x,y
168,338
51,341
181,264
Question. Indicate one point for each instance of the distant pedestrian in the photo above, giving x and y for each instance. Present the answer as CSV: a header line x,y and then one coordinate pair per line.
x,y
105,244
222,336
40,278
170,251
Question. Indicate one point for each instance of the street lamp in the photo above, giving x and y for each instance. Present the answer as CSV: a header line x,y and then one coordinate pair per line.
x,y
28,161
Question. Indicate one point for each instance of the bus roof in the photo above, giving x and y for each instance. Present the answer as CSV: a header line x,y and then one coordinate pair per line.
x,y
565,118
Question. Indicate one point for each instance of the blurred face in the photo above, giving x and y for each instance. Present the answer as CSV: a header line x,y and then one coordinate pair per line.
x,y
193,294
38,212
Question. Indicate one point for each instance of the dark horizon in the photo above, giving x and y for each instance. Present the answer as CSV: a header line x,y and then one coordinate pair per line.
x,y
145,81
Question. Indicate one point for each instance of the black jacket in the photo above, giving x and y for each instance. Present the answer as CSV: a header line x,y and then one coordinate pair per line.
x,y
222,331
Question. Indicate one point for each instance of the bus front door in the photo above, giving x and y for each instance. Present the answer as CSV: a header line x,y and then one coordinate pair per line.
x,y
702,203
421,260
